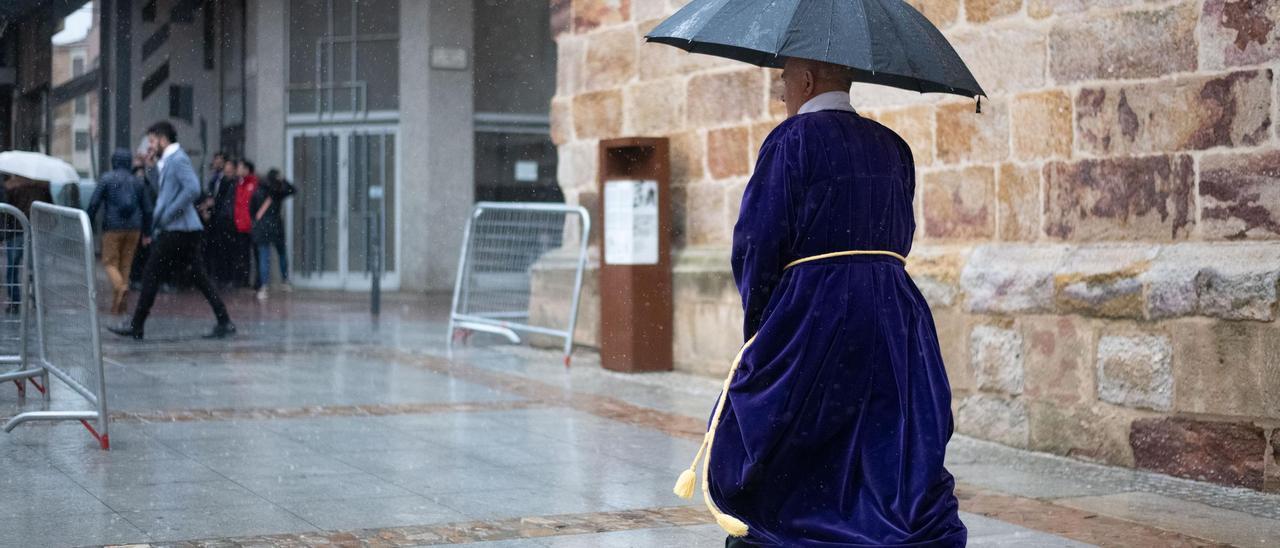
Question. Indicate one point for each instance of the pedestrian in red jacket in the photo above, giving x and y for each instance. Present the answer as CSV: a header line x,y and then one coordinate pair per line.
x,y
243,216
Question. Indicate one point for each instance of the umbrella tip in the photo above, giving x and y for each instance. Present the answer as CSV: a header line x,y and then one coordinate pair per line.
x,y
979,104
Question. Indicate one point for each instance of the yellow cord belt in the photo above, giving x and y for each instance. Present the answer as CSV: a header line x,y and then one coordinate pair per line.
x,y
684,486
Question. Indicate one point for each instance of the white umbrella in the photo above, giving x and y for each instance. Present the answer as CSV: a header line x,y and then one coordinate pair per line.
x,y
38,167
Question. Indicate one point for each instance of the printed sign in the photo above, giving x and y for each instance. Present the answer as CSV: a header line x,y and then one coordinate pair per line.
x,y
631,222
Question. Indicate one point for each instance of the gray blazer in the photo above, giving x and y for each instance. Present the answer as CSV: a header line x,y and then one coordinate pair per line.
x,y
175,209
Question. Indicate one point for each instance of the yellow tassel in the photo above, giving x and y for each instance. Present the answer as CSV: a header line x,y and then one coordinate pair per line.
x,y
684,485
731,525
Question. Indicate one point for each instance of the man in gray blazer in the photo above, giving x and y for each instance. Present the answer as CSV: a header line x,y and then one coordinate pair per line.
x,y
175,244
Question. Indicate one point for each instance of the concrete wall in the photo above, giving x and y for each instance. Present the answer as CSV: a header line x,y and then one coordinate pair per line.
x,y
1101,247
184,51
265,73
436,142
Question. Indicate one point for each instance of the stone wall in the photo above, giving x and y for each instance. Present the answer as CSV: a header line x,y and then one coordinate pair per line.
x,y
1101,246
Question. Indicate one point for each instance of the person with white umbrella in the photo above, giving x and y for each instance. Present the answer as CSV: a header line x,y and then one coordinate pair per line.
x,y
29,176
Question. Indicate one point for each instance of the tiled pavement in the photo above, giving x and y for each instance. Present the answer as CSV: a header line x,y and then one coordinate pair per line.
x,y
317,426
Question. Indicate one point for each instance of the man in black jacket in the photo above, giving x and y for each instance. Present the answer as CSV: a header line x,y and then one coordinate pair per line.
x,y
127,215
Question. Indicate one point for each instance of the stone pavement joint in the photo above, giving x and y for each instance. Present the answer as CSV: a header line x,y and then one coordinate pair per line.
x,y
466,532
315,411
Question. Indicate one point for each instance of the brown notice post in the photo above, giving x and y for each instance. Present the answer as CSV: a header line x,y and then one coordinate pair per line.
x,y
635,271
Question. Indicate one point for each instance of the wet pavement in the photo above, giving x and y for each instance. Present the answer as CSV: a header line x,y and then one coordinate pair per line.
x,y
317,426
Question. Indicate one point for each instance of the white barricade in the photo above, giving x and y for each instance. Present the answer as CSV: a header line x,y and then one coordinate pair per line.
x,y
501,245
15,246
66,316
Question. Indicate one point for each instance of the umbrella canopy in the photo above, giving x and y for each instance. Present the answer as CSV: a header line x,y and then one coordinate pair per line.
x,y
38,167
885,42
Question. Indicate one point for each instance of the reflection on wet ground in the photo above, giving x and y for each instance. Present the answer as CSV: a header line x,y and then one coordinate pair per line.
x,y
317,426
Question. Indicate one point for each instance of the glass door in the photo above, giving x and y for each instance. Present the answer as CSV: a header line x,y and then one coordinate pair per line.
x,y
345,206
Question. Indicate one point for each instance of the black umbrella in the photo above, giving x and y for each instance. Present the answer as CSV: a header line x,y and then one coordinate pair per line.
x,y
885,42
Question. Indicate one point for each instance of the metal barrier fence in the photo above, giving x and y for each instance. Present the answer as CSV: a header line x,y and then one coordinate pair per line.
x,y
66,315
501,245
15,244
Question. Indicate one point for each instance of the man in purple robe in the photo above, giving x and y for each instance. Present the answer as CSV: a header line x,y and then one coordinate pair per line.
x,y
837,415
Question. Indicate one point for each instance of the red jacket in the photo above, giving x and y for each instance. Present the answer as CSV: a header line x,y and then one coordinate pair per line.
x,y
244,194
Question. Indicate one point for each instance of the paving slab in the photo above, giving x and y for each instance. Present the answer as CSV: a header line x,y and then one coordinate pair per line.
x,y
1191,518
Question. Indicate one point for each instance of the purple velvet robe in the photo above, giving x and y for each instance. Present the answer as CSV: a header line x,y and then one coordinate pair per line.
x,y
837,421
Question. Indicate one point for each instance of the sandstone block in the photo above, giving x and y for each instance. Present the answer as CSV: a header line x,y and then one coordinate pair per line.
x,y
1271,480
1124,45
1230,110
1041,9
1058,369
725,98
1240,196
645,10
705,337
995,354
1120,199
981,11
571,59
1098,433
1018,208
1221,367
960,204
1136,371
705,217
1239,32
561,16
915,125
727,154
994,418
1012,278
936,271
942,13
1043,125
1104,280
576,169
1004,59
1218,452
1228,281
561,120
953,340
705,274
964,136
679,223
597,115
773,101
590,14
759,132
662,61
688,154
655,107
611,57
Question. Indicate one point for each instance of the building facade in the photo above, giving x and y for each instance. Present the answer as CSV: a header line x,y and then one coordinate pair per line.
x,y
1101,247
393,113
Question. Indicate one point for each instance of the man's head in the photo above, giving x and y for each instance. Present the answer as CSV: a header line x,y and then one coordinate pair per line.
x,y
245,168
229,167
804,79
160,135
218,160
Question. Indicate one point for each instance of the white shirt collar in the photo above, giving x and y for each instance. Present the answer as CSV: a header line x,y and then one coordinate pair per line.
x,y
168,151
831,100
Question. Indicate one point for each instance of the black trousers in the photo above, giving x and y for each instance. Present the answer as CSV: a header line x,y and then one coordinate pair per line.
x,y
178,255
